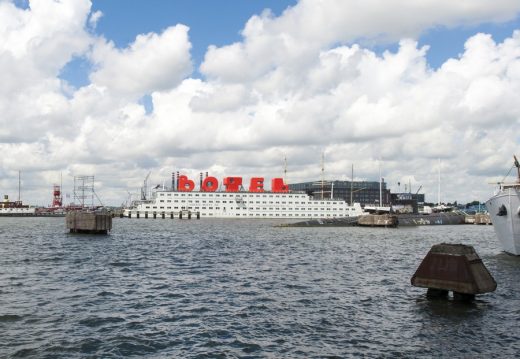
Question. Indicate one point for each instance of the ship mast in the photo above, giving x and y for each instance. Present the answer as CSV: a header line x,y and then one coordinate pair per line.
x,y
285,169
352,185
517,165
19,182
439,185
380,186
322,173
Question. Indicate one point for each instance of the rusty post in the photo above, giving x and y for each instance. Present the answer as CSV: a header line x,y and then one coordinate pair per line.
x,y
453,267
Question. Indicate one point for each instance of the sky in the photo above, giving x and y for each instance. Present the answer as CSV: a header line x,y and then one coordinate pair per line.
x,y
118,89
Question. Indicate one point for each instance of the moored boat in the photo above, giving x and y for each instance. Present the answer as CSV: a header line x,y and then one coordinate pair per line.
x,y
504,210
15,208
234,202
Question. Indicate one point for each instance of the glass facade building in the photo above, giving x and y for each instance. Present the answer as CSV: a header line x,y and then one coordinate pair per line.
x,y
363,192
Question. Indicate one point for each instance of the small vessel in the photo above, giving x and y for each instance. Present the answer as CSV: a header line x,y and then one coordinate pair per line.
x,y
15,208
504,210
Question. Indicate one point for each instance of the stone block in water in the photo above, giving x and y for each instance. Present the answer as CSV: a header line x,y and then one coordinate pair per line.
x,y
88,222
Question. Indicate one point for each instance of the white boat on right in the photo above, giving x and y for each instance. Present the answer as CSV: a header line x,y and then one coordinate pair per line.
x,y
504,210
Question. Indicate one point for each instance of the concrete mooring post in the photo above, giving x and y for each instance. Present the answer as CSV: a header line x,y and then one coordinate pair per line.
x,y
455,267
88,222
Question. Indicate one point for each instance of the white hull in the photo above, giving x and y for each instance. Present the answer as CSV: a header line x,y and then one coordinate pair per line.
x,y
506,223
266,205
13,211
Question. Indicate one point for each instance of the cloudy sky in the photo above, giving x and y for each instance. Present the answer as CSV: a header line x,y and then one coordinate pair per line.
x,y
118,89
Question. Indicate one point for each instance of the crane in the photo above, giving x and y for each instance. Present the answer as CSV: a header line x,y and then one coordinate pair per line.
x,y
144,189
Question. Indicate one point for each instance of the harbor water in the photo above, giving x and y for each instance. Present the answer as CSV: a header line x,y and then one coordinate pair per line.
x,y
243,289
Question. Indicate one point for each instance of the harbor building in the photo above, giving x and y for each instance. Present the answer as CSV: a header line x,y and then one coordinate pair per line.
x,y
363,192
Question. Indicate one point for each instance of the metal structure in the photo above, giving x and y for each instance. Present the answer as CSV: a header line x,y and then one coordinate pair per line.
x,y
84,191
144,189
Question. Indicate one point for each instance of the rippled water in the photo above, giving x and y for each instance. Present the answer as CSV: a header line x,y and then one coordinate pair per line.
x,y
243,288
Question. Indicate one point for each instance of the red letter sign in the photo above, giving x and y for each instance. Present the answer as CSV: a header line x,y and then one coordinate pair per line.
x,y
232,183
277,185
185,184
257,184
210,184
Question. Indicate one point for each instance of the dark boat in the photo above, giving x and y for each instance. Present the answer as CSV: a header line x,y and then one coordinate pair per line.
x,y
439,218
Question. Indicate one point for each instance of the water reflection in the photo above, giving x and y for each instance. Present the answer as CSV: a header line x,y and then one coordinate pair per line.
x,y
450,308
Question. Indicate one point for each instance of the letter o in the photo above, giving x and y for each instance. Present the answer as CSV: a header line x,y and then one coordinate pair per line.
x,y
210,184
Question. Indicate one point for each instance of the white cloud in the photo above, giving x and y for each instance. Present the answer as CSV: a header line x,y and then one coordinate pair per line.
x,y
296,86
94,18
293,39
46,35
152,62
35,44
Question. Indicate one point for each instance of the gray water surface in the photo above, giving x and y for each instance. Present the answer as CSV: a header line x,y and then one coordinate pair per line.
x,y
243,289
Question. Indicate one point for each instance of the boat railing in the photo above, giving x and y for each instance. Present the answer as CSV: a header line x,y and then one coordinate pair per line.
x,y
509,185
